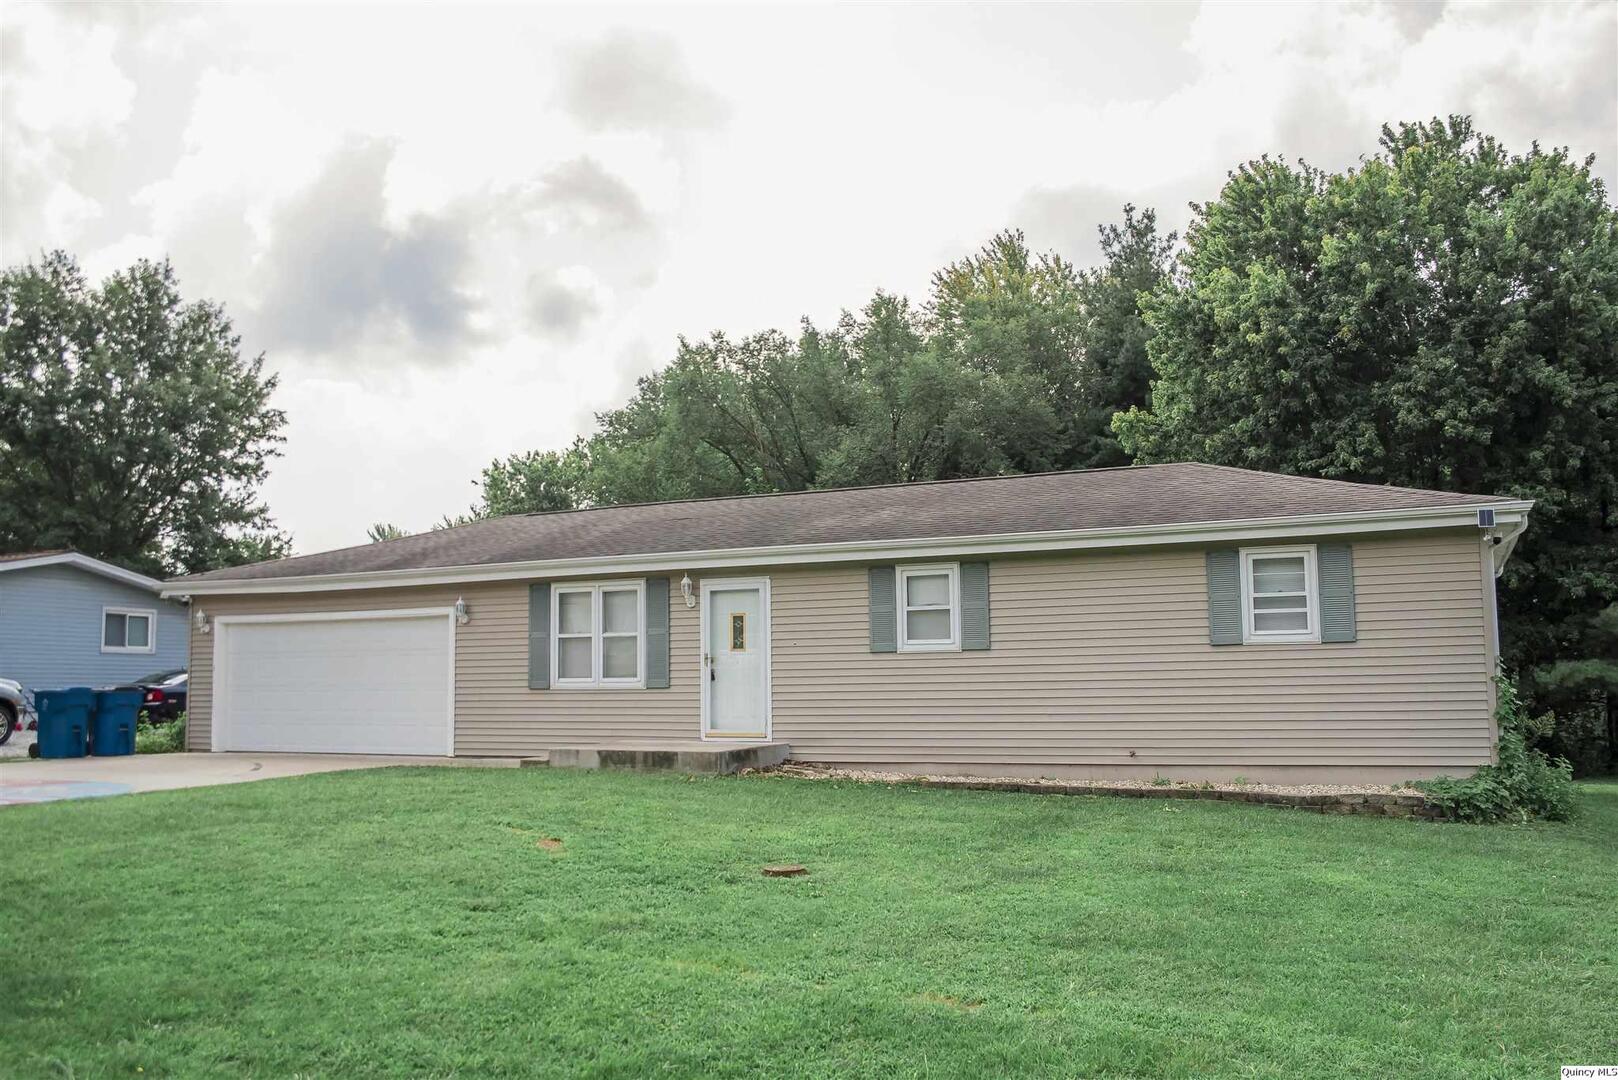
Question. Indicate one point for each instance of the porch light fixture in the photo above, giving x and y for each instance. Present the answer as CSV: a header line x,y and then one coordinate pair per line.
x,y
199,619
461,617
685,591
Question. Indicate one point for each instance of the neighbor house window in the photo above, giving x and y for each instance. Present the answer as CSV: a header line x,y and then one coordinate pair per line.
x,y
929,608
1280,600
126,630
597,632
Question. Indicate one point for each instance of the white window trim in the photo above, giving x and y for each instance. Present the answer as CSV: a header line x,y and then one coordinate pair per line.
x,y
150,615
556,635
902,607
1311,587
598,634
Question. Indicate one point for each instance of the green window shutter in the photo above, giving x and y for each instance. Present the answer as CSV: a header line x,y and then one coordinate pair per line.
x,y
884,615
539,636
974,605
1224,597
656,642
1335,563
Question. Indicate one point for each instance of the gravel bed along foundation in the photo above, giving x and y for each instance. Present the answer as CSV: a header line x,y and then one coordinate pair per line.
x,y
1378,799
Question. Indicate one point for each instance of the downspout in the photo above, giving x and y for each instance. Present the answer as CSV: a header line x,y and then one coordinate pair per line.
x,y
1498,545
1501,544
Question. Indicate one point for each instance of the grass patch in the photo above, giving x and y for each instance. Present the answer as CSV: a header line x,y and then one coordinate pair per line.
x,y
413,922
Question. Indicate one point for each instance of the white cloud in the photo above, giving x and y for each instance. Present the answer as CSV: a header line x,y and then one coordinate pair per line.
x,y
563,301
1318,82
335,272
65,97
69,85
635,81
592,197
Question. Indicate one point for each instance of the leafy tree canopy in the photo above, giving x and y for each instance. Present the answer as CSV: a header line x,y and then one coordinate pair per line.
x,y
538,481
130,426
1016,363
1581,684
1444,316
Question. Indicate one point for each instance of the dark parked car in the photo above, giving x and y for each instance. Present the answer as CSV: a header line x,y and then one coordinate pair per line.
x,y
162,695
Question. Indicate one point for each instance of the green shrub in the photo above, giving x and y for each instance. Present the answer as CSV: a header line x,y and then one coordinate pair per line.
x,y
1523,786
161,738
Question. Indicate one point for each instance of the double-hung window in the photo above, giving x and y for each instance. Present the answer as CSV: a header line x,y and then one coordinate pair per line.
x,y
128,630
929,608
1280,597
597,634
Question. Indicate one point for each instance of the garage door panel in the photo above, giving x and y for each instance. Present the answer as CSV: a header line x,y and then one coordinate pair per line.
x,y
360,685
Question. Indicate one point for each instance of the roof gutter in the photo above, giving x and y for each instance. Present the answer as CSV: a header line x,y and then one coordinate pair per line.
x,y
1203,532
88,564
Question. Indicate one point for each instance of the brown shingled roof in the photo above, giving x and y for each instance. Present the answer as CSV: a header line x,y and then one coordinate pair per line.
x,y
990,506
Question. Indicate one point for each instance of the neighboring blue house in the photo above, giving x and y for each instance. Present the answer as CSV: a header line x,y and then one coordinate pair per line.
x,y
69,620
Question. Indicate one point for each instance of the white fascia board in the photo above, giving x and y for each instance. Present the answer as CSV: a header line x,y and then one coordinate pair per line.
x,y
1279,528
94,566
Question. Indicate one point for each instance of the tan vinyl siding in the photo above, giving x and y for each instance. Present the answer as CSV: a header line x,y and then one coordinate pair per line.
x,y
495,712
1093,656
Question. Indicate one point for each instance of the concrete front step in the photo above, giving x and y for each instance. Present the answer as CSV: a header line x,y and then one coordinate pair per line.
x,y
686,757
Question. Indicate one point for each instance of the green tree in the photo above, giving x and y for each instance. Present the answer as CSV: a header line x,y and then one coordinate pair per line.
x,y
750,410
658,445
534,482
1582,686
1059,351
130,426
1014,321
909,414
385,530
1443,316
1116,371
539,481
997,373
1016,363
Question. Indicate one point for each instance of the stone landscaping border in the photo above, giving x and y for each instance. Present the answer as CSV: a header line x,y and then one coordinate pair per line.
x,y
1376,805
1396,803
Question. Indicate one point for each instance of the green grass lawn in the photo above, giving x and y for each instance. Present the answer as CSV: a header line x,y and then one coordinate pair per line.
x,y
408,922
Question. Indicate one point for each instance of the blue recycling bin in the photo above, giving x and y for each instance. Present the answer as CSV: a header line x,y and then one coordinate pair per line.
x,y
64,721
112,728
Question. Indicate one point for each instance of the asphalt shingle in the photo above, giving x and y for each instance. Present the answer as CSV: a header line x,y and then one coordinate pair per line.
x,y
991,506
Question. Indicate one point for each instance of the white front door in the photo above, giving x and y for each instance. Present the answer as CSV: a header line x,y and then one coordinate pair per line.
x,y
736,658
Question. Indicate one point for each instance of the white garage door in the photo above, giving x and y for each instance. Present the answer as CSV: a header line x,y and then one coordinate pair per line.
x,y
364,683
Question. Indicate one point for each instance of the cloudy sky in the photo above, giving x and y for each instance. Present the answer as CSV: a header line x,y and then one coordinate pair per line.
x,y
458,232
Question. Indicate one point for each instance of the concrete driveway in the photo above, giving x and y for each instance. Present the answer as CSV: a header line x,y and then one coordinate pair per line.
x,y
83,778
